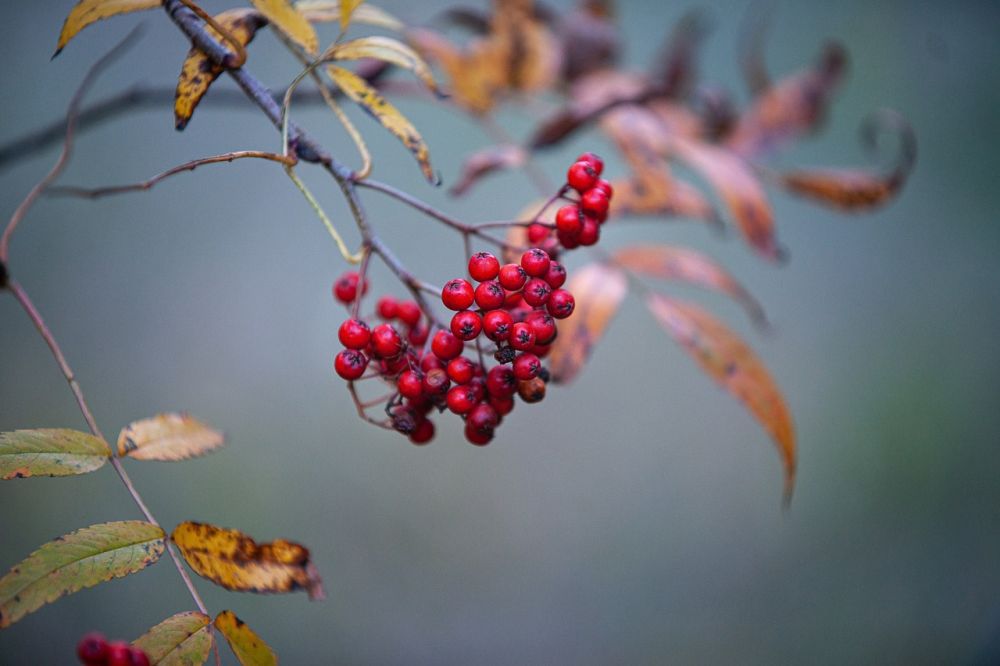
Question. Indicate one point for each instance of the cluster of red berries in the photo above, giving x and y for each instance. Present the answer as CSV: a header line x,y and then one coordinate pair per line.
x,y
579,223
94,650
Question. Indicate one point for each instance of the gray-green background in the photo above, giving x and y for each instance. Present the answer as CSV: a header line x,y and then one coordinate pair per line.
x,y
632,518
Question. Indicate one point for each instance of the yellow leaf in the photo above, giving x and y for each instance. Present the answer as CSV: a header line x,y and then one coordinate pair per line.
x,y
347,8
199,72
236,562
168,437
290,22
388,50
90,11
181,639
321,11
729,361
249,648
371,101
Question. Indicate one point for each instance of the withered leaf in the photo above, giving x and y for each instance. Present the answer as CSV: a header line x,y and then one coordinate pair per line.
x,y
50,452
598,290
233,560
168,437
323,11
199,72
730,362
249,648
486,161
388,50
290,21
86,12
181,639
675,73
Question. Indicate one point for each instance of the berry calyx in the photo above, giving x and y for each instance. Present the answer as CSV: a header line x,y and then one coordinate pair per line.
x,y
522,337
496,325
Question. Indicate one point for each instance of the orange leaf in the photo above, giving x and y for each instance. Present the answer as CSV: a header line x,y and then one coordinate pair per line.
x,y
729,361
598,290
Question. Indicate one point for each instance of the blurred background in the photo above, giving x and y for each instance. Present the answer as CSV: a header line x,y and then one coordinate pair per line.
x,y
631,518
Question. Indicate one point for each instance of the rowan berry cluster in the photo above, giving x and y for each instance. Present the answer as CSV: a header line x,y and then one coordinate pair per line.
x,y
579,223
95,650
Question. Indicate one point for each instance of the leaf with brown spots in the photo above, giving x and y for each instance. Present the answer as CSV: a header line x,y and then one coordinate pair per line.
x,y
77,560
199,72
233,560
168,437
290,21
86,12
249,648
598,290
50,452
181,639
729,361
677,263
369,99
323,11
388,50
486,161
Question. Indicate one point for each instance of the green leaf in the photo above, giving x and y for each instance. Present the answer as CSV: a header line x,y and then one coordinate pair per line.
x,y
77,560
184,638
249,648
50,452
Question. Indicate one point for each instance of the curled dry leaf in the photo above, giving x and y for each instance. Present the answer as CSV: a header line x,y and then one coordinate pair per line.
x,y
86,12
729,361
677,263
168,437
77,560
324,11
249,648
199,72
184,638
486,161
369,99
388,50
50,452
290,21
598,290
233,560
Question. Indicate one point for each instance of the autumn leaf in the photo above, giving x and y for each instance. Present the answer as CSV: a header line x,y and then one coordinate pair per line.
x,y
86,12
730,362
369,99
199,71
486,161
598,290
323,11
183,638
347,8
249,648
168,437
388,50
290,22
676,263
77,560
675,73
233,560
50,452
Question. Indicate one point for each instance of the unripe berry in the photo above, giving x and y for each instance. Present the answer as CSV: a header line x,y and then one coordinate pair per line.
x,y
345,289
461,399
92,649
410,384
581,176
408,312
483,266
445,345
594,159
387,307
537,233
536,292
522,337
478,438
512,277
561,304
543,326
591,231
350,364
461,370
436,382
354,334
496,324
595,202
527,366
556,277
490,295
483,418
466,325
423,433
386,342
500,381
535,262
457,294
532,390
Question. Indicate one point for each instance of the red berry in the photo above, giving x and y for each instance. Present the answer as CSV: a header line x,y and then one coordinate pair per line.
x,y
387,307
512,277
446,346
423,433
92,649
408,312
537,233
535,262
483,266
502,404
541,351
461,370
354,334
527,366
386,342
430,362
466,325
490,295
496,324
556,277
543,326
118,654
536,292
595,202
436,382
350,364
478,438
513,301
500,381
345,289
581,176
591,231
594,159
461,399
569,220
418,335
137,656
606,187
522,337
405,418
561,304
567,240
483,418
457,294
410,384
532,390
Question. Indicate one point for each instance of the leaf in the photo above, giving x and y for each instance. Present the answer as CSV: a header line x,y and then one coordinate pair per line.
x,y
199,72
347,8
598,290
290,21
388,50
77,560
249,648
676,263
322,11
181,639
50,452
236,562
486,161
739,189
385,113
168,437
728,360
86,12
675,74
